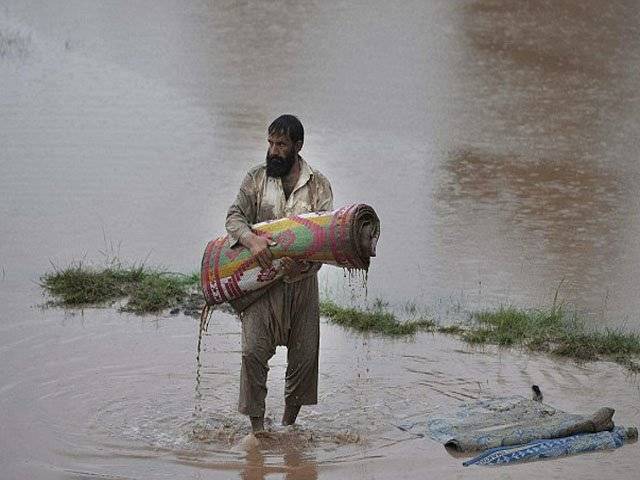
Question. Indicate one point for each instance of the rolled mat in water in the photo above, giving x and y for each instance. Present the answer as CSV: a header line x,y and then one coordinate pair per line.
x,y
514,420
345,237
556,447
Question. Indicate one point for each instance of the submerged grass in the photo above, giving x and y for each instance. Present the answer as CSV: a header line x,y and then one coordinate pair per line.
x,y
148,290
151,290
548,330
553,331
377,320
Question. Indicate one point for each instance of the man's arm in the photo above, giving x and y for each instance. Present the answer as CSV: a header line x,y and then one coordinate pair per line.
x,y
242,213
240,216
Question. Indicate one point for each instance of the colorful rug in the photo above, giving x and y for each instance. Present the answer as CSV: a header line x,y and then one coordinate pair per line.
x,y
345,237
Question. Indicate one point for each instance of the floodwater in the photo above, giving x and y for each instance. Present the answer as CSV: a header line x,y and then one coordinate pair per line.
x,y
496,140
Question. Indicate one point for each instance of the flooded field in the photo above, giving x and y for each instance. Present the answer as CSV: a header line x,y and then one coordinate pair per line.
x,y
496,140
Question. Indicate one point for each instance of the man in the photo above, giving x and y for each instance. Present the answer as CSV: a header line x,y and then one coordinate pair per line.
x,y
286,313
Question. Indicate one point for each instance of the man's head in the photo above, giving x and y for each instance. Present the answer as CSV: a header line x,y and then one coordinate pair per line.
x,y
286,137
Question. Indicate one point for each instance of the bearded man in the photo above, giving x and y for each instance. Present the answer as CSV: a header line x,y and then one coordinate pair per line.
x,y
287,312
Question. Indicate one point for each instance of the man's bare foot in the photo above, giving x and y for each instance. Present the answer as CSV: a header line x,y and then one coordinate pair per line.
x,y
290,414
257,424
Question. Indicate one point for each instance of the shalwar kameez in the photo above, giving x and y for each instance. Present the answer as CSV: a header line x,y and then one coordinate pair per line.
x,y
286,313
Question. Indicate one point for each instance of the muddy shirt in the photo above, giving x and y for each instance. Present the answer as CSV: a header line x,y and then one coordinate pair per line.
x,y
262,198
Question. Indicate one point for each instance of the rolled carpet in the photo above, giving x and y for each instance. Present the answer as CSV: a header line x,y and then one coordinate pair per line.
x,y
346,238
520,432
507,421
556,447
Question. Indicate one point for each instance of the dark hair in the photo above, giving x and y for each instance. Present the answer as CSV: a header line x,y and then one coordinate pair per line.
x,y
288,125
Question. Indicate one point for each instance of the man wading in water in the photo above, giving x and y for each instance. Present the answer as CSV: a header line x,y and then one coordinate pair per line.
x,y
286,313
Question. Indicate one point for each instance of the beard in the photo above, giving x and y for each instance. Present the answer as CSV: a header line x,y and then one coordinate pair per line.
x,y
279,167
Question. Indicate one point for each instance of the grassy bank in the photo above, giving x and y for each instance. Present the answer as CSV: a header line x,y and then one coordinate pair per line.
x,y
553,331
537,330
146,289
377,320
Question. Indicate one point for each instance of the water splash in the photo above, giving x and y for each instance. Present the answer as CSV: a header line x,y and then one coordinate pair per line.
x,y
357,280
205,318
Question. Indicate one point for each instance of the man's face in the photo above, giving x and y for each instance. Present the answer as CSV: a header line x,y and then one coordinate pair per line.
x,y
281,155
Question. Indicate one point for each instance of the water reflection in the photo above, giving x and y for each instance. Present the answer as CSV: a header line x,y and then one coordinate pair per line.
x,y
295,466
563,215
551,78
544,154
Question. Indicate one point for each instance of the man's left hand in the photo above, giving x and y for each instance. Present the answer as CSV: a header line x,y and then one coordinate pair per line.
x,y
292,268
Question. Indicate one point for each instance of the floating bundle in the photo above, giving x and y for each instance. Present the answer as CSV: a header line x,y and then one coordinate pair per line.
x,y
345,237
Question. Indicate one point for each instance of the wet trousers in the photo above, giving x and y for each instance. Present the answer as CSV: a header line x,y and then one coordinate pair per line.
x,y
287,314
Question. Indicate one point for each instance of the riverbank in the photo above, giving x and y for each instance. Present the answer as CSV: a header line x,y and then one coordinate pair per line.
x,y
144,290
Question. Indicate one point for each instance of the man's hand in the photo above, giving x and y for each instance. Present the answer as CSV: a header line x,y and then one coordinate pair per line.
x,y
292,268
259,247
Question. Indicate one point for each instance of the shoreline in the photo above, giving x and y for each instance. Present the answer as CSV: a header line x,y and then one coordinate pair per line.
x,y
145,290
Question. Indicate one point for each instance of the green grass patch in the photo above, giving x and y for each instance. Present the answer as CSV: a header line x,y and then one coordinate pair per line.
x,y
377,320
451,329
552,331
511,326
147,290
548,330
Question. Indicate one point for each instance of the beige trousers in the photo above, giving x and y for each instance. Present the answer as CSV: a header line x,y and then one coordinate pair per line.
x,y
288,314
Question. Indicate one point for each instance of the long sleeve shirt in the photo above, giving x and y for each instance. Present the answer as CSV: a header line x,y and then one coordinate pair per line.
x,y
262,198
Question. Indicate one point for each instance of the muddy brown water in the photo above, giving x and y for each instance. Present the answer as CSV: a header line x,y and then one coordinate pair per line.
x,y
496,140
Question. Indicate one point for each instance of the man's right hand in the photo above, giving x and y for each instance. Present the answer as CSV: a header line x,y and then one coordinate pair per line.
x,y
259,247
